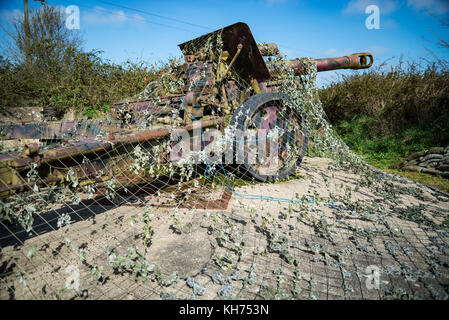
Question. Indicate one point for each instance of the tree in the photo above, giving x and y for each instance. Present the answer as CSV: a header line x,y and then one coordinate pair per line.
x,y
445,23
49,40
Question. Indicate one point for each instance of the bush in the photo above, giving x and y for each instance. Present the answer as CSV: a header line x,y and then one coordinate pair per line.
x,y
407,97
89,84
51,70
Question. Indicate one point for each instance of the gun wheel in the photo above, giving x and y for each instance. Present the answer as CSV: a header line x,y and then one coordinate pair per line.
x,y
273,137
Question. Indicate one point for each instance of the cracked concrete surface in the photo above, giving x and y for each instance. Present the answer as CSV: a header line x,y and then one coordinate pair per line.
x,y
336,238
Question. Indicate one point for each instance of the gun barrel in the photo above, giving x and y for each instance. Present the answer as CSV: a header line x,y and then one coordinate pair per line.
x,y
353,61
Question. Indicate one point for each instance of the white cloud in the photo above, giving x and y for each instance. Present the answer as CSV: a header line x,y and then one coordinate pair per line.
x,y
389,6
279,2
273,2
137,17
10,15
433,6
359,6
324,79
101,15
374,50
378,50
331,52
96,15
288,53
388,24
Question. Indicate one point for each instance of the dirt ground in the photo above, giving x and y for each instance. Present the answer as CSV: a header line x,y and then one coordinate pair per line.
x,y
327,234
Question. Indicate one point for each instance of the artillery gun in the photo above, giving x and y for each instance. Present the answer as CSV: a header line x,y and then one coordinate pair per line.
x,y
226,81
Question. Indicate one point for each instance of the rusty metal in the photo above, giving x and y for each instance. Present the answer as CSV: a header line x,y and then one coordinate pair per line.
x,y
268,49
56,130
250,63
239,49
30,149
354,61
206,90
14,166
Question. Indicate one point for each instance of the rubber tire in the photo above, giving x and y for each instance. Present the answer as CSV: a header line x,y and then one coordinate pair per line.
x,y
248,109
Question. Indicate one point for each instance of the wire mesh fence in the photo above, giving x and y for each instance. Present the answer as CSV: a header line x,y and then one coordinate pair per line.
x,y
182,203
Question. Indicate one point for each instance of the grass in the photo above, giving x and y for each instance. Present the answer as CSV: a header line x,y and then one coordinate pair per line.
x,y
409,99
381,150
424,178
385,151
384,115
88,87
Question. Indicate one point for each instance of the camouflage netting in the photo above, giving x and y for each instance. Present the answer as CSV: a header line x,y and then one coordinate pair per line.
x,y
336,229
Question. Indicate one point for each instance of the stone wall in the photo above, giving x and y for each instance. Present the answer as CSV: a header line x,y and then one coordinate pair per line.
x,y
434,161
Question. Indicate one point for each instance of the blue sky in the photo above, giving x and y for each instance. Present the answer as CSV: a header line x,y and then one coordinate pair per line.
x,y
300,27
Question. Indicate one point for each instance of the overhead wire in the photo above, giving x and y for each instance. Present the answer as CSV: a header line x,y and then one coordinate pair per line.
x,y
137,18
155,15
